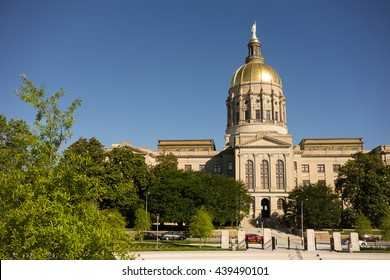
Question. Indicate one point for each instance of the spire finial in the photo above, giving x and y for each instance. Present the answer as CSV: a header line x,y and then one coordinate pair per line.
x,y
254,31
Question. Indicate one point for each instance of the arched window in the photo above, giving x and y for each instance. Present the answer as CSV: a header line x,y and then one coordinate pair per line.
x,y
249,174
264,174
280,204
280,174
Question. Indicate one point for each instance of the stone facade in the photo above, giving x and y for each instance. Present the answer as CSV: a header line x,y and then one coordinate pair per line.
x,y
258,148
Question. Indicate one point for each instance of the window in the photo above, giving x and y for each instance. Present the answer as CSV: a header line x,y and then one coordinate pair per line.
x,y
306,182
249,174
264,174
230,167
276,115
268,115
247,115
187,167
280,204
305,168
217,168
321,168
295,166
258,115
202,168
237,117
279,174
336,168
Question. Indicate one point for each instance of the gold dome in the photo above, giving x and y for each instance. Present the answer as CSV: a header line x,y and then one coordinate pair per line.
x,y
255,72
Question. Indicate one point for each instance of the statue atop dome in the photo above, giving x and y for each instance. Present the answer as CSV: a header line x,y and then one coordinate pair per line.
x,y
254,31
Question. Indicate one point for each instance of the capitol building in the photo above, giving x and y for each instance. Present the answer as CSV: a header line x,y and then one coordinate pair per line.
x,y
258,147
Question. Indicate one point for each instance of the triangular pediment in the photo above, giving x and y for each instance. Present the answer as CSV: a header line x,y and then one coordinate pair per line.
x,y
265,141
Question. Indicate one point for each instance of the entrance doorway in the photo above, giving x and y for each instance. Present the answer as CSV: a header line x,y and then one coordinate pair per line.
x,y
265,208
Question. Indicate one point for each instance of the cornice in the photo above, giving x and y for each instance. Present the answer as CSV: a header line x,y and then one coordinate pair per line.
x,y
263,147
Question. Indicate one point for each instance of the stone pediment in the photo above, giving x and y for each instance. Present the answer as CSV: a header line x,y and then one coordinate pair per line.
x,y
264,141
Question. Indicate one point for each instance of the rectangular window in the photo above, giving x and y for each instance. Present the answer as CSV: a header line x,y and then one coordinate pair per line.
x,y
268,115
295,166
258,116
217,168
230,167
305,168
247,115
336,168
264,174
249,174
276,116
187,167
306,182
279,174
321,168
202,168
237,117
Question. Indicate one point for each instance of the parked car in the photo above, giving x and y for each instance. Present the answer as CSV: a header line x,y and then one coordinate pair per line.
x,y
370,238
149,236
362,243
253,238
173,236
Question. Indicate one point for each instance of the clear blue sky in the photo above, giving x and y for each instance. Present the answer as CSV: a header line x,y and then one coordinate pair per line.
x,y
150,70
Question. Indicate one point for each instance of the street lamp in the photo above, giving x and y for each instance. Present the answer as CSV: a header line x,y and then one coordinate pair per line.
x,y
302,221
146,206
158,216
146,201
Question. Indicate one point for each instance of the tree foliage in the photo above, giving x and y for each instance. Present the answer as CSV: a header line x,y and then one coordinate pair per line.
x,y
142,220
48,208
363,224
364,185
201,225
123,175
52,125
321,206
177,194
385,226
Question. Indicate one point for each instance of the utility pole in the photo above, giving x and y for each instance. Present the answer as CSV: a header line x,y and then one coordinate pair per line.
x,y
158,216
302,222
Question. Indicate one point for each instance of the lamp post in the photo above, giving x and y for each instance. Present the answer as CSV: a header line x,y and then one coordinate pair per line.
x,y
158,216
146,207
146,201
302,219
302,222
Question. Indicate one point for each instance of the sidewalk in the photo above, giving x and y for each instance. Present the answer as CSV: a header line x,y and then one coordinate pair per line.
x,y
258,254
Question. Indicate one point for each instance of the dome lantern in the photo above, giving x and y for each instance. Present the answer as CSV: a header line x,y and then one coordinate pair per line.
x,y
255,70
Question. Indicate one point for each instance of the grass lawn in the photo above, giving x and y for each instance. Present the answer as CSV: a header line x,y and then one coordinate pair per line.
x,y
169,246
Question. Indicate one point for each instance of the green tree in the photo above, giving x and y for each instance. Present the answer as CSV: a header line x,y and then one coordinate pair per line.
x,y
47,209
364,185
223,210
16,144
142,220
178,194
52,125
363,224
385,226
201,225
123,175
166,165
126,178
321,206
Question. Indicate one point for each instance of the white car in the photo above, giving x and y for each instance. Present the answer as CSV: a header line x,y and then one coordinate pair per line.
x,y
362,243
